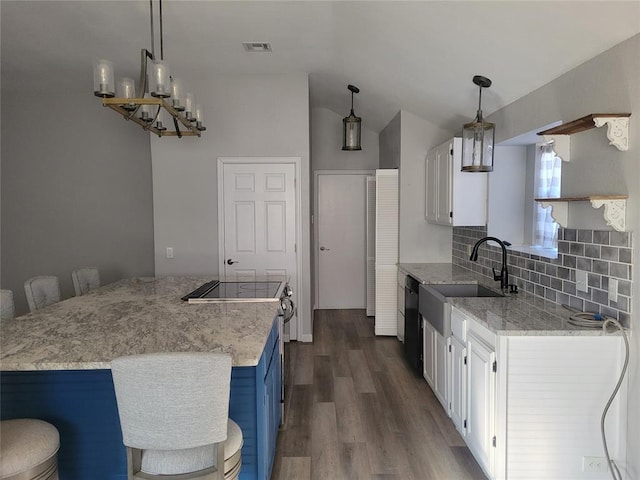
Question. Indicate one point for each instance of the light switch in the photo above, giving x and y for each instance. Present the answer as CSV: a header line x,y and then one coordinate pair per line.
x,y
581,281
169,252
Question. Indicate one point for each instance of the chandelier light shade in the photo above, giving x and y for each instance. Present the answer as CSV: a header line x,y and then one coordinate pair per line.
x,y
157,103
200,118
177,98
103,84
160,88
352,127
478,137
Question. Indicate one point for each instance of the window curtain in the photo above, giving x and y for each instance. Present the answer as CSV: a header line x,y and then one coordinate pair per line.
x,y
549,173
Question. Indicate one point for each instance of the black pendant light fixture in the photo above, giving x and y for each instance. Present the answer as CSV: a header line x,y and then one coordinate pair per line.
x,y
352,127
478,137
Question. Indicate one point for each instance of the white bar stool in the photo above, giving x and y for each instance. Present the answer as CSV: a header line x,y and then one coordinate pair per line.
x,y
29,450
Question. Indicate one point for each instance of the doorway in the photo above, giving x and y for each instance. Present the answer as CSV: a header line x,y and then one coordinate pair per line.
x,y
340,238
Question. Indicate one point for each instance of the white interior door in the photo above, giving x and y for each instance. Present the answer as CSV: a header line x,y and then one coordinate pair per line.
x,y
341,240
259,223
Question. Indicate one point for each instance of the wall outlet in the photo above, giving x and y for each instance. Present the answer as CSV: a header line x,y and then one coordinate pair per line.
x,y
169,252
595,464
581,281
613,289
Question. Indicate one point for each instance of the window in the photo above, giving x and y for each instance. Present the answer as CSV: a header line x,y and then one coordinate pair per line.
x,y
548,172
524,169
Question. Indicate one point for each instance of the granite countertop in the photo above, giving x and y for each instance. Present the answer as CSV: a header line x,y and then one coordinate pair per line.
x,y
513,314
133,316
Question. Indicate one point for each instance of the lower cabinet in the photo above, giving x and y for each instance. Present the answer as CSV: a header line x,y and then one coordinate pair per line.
x,y
435,348
481,386
429,353
400,313
529,406
458,384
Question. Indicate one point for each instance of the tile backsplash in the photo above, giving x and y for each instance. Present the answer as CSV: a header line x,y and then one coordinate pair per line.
x,y
602,254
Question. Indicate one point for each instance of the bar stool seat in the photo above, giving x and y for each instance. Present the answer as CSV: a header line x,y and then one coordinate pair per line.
x,y
29,450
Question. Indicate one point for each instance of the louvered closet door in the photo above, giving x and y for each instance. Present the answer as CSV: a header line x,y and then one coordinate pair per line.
x,y
387,221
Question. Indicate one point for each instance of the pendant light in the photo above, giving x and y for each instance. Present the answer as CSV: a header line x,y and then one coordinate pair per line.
x,y
478,137
352,127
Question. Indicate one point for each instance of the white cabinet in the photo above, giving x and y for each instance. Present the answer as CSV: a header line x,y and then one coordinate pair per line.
x,y
481,390
530,405
453,197
435,348
440,370
458,384
400,315
428,353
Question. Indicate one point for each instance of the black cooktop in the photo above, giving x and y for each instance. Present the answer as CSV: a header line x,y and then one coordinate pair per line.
x,y
217,290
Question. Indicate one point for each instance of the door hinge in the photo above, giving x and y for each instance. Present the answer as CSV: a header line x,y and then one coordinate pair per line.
x,y
449,347
295,248
495,366
493,441
450,214
465,360
464,424
451,152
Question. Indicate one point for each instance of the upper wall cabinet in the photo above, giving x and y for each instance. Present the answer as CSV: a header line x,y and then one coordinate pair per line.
x,y
454,197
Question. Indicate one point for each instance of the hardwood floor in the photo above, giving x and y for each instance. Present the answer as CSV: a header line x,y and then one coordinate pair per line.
x,y
354,410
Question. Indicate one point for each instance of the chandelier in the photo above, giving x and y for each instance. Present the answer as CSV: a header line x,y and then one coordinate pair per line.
x,y
160,106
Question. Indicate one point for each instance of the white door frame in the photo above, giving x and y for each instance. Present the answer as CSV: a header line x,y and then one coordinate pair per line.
x,y
316,232
297,161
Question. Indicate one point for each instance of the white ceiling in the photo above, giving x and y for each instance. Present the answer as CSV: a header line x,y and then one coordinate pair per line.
x,y
418,56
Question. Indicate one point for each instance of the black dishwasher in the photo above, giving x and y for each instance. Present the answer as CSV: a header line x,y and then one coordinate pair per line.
x,y
412,325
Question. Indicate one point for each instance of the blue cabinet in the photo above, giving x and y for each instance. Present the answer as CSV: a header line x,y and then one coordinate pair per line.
x,y
82,405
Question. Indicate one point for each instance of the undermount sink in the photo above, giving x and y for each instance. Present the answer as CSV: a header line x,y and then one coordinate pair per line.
x,y
465,290
433,305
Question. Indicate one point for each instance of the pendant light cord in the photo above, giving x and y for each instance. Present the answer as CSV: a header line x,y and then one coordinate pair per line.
x,y
161,35
153,41
479,114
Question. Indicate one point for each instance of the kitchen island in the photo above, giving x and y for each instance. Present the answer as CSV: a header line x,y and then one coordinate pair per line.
x,y
56,366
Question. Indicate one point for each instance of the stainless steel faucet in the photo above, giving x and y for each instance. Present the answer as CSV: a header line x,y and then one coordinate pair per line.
x,y
503,276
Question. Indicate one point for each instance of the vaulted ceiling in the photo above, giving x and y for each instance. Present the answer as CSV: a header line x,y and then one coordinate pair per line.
x,y
418,56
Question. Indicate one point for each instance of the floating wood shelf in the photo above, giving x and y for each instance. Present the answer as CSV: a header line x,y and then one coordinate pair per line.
x,y
617,132
581,124
614,208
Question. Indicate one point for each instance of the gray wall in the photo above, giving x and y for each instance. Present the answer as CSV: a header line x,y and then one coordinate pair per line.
x,y
246,116
419,241
326,145
76,191
606,83
390,143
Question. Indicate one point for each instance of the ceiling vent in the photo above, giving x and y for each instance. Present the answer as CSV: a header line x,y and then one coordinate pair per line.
x,y
257,46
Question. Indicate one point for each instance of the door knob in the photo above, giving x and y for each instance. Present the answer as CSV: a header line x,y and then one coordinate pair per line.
x,y
231,262
323,249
